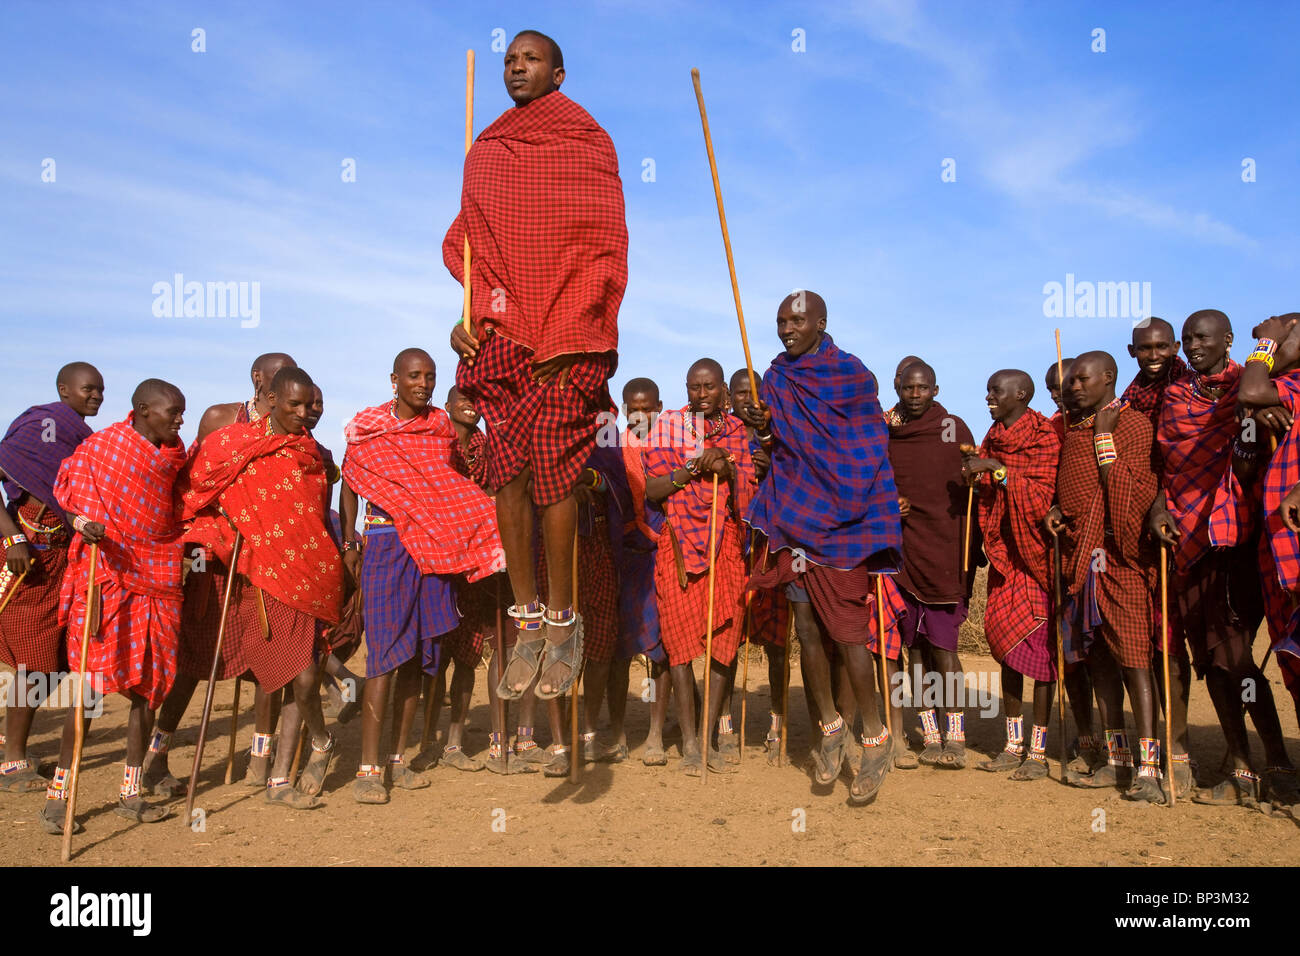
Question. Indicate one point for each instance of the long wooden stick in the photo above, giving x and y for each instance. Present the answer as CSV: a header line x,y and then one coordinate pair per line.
x,y
965,548
234,729
744,683
726,237
14,587
212,678
785,687
575,758
1057,571
1168,643
469,141
880,643
429,686
706,731
500,656
79,730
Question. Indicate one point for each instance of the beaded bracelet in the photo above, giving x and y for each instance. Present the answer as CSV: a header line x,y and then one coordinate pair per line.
x,y
14,539
1104,443
1264,351
79,523
675,484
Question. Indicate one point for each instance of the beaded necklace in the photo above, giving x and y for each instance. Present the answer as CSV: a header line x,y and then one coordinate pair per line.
x,y
1113,403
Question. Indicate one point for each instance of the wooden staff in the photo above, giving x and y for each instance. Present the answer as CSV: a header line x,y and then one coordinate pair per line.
x,y
469,141
785,688
575,758
212,678
501,657
880,641
970,500
707,716
427,685
14,587
744,684
726,237
1057,571
1169,700
79,738
234,727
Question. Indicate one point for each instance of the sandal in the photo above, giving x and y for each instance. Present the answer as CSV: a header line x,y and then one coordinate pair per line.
x,y
259,770
617,753
52,816
904,758
1086,761
157,780
457,759
428,759
138,810
1280,783
953,755
318,764
827,757
718,763
24,779
1006,760
590,751
692,765
1146,788
404,778
526,657
1240,789
557,765
369,788
287,795
871,773
1107,775
534,755
1034,768
729,747
930,753
654,756
567,653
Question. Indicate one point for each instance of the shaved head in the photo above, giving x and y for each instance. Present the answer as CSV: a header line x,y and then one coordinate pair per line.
x,y
917,368
271,362
740,380
557,58
1211,320
804,302
407,355
288,376
1153,327
152,388
1105,362
72,369
1050,376
640,386
711,365
1015,379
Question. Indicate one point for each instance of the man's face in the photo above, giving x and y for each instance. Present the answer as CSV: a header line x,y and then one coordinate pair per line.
x,y
1154,348
317,407
706,392
740,393
1004,398
83,392
291,408
1087,386
1205,343
529,71
916,391
460,409
798,331
262,377
160,419
642,408
415,379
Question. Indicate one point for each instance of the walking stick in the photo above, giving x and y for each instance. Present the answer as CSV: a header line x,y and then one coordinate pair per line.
x,y
1058,612
575,759
726,237
785,689
500,656
1169,700
707,716
79,738
880,640
469,141
965,547
427,685
234,727
212,678
744,684
14,587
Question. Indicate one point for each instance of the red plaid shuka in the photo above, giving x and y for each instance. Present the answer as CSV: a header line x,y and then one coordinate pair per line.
x,y
30,633
1112,521
445,521
1195,436
683,614
1148,398
678,436
1279,546
1011,516
543,205
118,478
472,461
272,488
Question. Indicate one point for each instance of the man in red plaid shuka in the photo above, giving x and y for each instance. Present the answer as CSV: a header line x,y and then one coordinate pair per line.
x,y
118,489
542,213
266,480
687,448
1105,483
1217,588
425,524
1019,457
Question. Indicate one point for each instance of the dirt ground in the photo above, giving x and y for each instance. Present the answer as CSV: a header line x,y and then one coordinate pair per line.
x,y
633,814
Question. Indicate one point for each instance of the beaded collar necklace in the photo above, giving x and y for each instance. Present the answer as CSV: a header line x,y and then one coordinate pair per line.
x,y
1116,402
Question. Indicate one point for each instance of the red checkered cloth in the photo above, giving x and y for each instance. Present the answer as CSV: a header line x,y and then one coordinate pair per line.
x,y
683,614
1279,546
597,586
472,461
678,436
30,633
1195,436
271,487
477,604
550,429
1112,520
1011,517
769,617
543,205
200,619
120,479
292,646
445,521
1148,397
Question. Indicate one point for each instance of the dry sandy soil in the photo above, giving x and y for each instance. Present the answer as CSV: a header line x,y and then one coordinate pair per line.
x,y
632,814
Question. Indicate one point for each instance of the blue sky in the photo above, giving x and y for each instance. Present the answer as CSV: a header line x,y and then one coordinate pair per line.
x,y
224,166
